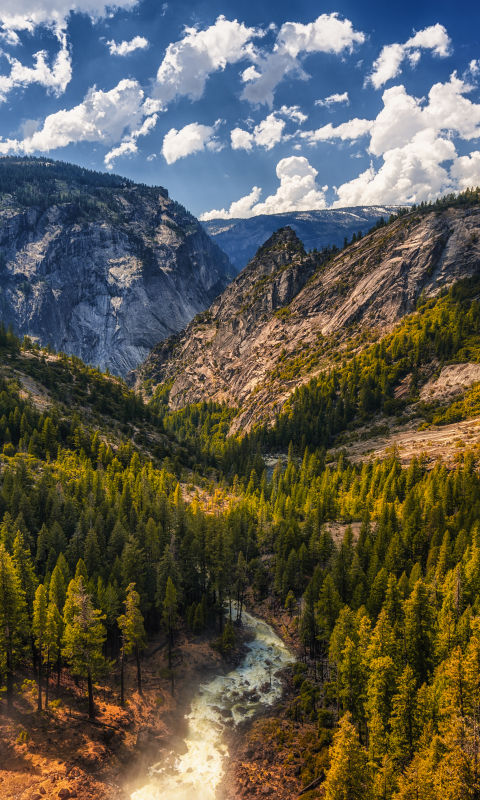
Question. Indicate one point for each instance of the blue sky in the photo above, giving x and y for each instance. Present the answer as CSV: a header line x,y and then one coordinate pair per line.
x,y
247,108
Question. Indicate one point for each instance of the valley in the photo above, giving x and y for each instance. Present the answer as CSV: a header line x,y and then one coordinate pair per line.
x,y
303,453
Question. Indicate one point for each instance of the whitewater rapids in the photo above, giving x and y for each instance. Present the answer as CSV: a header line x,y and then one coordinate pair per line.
x,y
197,774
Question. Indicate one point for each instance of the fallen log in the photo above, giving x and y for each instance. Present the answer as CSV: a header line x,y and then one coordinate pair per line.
x,y
311,785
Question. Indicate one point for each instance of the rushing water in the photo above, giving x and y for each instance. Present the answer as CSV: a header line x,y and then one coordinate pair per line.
x,y
199,771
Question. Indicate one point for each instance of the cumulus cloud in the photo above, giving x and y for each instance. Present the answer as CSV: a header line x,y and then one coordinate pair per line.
x,y
189,62
268,132
125,48
465,171
26,15
353,129
119,115
408,174
327,34
333,99
293,112
414,140
193,138
55,78
387,65
298,191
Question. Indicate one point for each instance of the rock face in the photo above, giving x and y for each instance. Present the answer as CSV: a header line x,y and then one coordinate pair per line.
x,y
102,272
240,238
269,331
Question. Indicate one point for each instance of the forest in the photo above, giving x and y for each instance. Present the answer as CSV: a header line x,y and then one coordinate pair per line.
x,y
107,535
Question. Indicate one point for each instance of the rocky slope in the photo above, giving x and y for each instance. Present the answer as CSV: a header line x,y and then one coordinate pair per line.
x,y
271,329
240,238
98,266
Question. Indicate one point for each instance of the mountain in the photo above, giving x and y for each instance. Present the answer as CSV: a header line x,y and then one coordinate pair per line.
x,y
240,238
289,315
98,266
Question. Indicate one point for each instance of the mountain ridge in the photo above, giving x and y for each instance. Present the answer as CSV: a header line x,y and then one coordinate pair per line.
x,y
98,266
253,357
240,238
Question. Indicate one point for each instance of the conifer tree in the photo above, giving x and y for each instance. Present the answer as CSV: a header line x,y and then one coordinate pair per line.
x,y
229,638
419,640
406,725
83,636
348,776
13,620
170,620
39,624
133,633
52,644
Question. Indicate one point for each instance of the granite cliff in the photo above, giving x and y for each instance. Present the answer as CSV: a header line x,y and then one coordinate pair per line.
x,y
98,266
288,315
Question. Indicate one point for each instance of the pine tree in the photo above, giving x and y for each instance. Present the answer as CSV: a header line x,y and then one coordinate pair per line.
x,y
170,620
13,620
39,624
229,639
133,633
419,639
84,636
52,644
405,722
348,776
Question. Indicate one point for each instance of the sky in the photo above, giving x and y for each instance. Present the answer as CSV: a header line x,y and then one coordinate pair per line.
x,y
246,108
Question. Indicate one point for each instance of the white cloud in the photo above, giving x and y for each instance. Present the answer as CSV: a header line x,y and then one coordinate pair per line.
x,y
387,65
333,99
268,132
293,112
465,171
241,140
298,191
353,129
327,34
119,115
188,63
415,140
193,138
409,174
125,48
55,78
128,146
474,67
26,15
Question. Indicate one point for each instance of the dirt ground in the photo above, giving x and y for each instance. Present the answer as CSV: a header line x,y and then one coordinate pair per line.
x,y
444,442
60,754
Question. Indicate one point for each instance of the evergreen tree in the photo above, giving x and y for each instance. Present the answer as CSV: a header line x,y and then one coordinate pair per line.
x,y
347,777
406,724
170,620
84,636
13,620
133,633
39,624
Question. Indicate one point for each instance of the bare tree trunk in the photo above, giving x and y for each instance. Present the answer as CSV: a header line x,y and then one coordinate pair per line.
x,y
91,707
39,706
9,683
122,694
59,669
48,678
139,674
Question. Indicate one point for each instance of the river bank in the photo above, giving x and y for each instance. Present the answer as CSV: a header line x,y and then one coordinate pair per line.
x,y
60,754
222,734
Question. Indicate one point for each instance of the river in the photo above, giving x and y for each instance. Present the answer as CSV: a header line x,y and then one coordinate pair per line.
x,y
197,774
